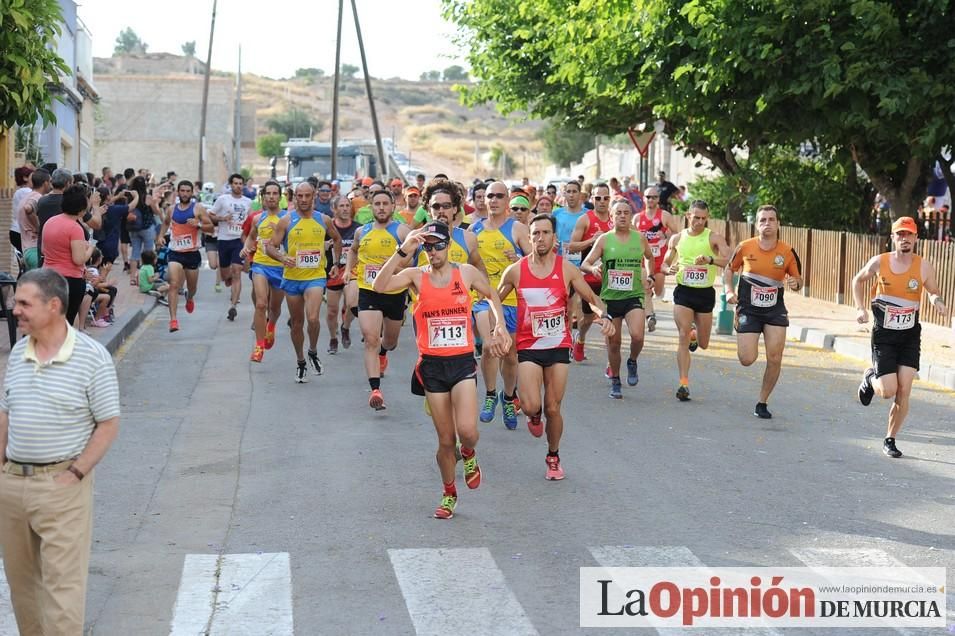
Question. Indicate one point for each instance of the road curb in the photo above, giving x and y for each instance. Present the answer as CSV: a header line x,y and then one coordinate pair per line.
x,y
113,337
851,347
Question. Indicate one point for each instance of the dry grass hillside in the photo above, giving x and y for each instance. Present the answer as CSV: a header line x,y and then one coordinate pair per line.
x,y
426,119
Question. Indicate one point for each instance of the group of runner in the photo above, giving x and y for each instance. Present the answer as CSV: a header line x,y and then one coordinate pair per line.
x,y
523,296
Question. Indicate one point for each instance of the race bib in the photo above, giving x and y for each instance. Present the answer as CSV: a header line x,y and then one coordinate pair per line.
x,y
899,318
182,243
620,280
371,273
695,276
260,246
444,333
764,296
235,228
308,259
547,323
656,250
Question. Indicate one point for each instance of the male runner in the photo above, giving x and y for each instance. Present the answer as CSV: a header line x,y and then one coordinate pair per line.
x,y
446,369
768,266
228,213
900,275
187,219
443,200
301,235
617,257
694,255
567,218
379,314
266,271
541,280
501,241
657,225
336,288
588,229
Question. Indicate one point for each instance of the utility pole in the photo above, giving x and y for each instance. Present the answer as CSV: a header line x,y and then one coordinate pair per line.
x,y
205,98
382,166
338,70
237,126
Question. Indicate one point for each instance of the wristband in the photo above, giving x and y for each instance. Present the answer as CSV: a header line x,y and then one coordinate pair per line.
x,y
400,253
711,260
605,316
76,471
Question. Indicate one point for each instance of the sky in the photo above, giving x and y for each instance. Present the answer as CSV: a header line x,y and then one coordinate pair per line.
x,y
403,38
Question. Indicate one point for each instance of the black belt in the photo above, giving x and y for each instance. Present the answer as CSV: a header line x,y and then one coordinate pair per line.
x,y
28,470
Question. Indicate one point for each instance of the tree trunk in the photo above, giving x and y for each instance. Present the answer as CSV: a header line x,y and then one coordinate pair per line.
x,y
946,165
867,193
903,188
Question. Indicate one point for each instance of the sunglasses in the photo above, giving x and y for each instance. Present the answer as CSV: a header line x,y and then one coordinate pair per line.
x,y
324,190
435,247
515,208
606,198
441,206
494,195
650,196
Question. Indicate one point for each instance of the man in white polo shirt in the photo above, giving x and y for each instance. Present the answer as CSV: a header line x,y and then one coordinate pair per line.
x,y
59,413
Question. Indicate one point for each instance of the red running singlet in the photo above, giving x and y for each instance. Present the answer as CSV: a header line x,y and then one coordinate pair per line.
x,y
542,309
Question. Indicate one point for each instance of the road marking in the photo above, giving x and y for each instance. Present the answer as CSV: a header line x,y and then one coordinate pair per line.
x,y
662,556
234,595
8,624
450,589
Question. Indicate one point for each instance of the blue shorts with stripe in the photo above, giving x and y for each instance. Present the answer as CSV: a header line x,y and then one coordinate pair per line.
x,y
298,287
510,314
272,273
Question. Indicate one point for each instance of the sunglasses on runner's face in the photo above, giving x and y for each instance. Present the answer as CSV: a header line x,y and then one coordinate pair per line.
x,y
598,198
324,190
517,208
494,195
441,206
438,246
651,196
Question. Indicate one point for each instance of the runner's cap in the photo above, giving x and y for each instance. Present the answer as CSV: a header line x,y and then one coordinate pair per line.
x,y
438,230
905,224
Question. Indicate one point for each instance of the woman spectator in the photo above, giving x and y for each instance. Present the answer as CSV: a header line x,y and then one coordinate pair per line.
x,y
141,222
65,248
118,205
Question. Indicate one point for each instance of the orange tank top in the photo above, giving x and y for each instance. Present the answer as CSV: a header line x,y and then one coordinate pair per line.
x,y
185,237
442,316
901,290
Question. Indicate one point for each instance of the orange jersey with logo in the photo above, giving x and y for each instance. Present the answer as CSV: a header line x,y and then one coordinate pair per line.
x,y
442,316
895,301
763,275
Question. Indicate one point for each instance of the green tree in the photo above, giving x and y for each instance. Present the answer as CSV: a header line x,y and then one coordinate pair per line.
x,y
270,145
189,48
128,42
29,65
295,123
565,144
455,73
502,161
310,72
349,71
431,76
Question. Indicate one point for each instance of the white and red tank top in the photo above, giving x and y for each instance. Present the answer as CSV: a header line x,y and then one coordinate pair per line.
x,y
542,308
595,226
655,231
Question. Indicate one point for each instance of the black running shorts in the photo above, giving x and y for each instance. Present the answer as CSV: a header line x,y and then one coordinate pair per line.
x,y
747,322
392,306
544,357
699,299
439,374
888,357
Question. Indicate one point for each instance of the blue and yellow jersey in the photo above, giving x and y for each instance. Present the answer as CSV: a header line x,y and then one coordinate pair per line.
x,y
375,247
457,251
264,228
305,242
492,245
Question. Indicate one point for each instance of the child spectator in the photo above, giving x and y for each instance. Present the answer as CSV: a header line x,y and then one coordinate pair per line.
x,y
149,281
97,291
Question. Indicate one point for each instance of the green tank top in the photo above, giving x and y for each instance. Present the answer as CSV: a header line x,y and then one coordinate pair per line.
x,y
689,247
622,267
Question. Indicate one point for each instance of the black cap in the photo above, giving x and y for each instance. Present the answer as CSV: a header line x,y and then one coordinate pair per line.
x,y
437,230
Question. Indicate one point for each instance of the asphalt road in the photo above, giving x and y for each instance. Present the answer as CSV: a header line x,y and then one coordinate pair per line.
x,y
222,457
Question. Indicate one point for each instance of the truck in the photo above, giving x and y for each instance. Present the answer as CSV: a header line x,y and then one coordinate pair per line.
x,y
359,158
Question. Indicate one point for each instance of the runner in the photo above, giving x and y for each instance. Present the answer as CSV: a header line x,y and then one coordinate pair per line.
x,y
542,280
266,271
501,241
657,225
617,257
228,213
587,230
446,371
900,275
187,219
336,288
694,256
567,218
379,314
768,266
301,235
443,200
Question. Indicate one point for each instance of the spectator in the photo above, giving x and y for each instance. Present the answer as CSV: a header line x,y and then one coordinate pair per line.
x,y
149,281
49,205
141,222
97,291
27,218
667,189
66,249
114,221
22,177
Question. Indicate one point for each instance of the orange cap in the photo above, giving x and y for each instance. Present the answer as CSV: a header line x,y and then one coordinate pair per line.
x,y
905,224
367,181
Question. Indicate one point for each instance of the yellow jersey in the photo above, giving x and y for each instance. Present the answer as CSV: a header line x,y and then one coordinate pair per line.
x,y
492,245
375,247
305,242
265,227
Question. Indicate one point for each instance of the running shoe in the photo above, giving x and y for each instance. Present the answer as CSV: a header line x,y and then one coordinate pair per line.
x,y
579,355
173,325
694,343
376,400
652,323
517,401
762,412
190,305
301,373
383,364
632,377
472,472
888,447
218,288
317,367
535,425
162,301
232,313
257,354
554,470
509,413
683,393
445,509
490,405
616,391
346,338
866,391
269,336
332,346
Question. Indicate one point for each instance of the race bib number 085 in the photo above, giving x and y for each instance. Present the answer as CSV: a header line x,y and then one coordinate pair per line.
x,y
308,259
764,296
620,279
448,332
899,318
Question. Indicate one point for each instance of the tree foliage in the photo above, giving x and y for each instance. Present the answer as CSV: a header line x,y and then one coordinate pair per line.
x,y
128,42
431,76
455,73
349,71
270,145
310,72
564,144
295,123
29,64
189,48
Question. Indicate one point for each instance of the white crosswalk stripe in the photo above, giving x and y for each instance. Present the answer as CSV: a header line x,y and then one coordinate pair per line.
x,y
234,595
661,556
8,624
446,589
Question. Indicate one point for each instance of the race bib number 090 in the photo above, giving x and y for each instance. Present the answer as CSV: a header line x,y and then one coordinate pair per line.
x,y
308,259
764,296
548,323
450,332
899,318
695,276
620,279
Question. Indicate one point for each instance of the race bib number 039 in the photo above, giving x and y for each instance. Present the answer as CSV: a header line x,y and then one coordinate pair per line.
x,y
308,259
695,276
371,273
448,332
899,318
620,279
548,323
764,296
